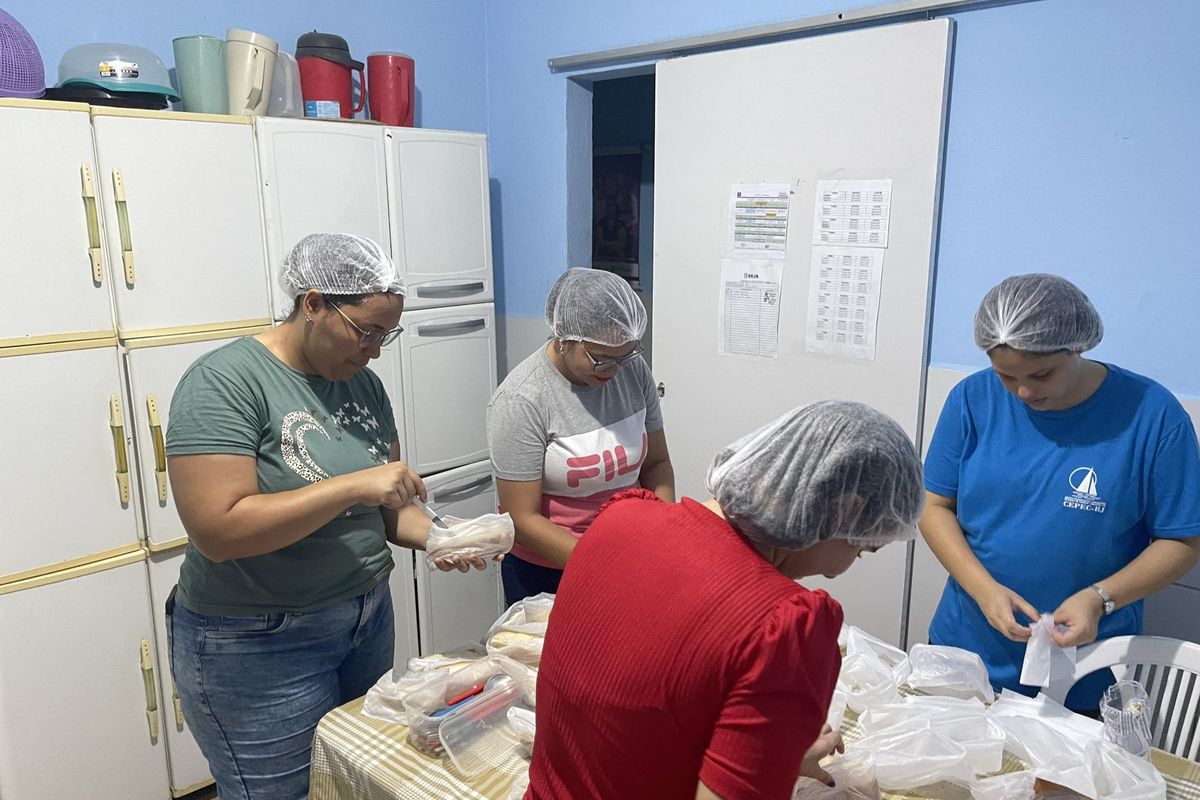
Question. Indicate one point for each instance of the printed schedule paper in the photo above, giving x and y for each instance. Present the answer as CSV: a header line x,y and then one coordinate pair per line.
x,y
749,307
758,219
853,212
843,301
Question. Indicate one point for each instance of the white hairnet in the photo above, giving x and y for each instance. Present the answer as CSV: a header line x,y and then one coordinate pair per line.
x,y
592,305
338,263
1037,313
830,470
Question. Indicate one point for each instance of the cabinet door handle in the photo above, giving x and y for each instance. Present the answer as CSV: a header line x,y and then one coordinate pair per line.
x,y
451,289
178,705
151,690
123,224
93,221
117,423
451,328
447,495
160,448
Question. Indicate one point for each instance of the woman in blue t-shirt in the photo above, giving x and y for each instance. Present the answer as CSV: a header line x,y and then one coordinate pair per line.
x,y
1055,484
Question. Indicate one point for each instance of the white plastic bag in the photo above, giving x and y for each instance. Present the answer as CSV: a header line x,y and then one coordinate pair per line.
x,y
524,724
906,759
951,671
1010,786
520,631
866,682
1079,729
485,536
520,785
893,658
1044,660
1049,754
1120,775
852,780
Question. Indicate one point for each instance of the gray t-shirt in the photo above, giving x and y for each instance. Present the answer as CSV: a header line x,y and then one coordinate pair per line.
x,y
242,400
584,444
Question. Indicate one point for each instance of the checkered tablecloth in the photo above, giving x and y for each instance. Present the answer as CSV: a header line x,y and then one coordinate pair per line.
x,y
356,757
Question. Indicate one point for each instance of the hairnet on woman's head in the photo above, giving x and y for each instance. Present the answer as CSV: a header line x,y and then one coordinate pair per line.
x,y
830,470
592,305
1037,313
338,263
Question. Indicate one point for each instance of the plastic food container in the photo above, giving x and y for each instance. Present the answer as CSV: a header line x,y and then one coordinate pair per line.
x,y
480,735
424,728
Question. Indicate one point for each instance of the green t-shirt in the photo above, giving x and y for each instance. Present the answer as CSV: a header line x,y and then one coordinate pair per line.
x,y
242,400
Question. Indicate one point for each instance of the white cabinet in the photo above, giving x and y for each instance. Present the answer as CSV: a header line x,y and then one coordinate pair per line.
x,y
320,177
186,763
65,488
440,215
183,221
455,608
404,605
154,370
81,711
49,229
448,362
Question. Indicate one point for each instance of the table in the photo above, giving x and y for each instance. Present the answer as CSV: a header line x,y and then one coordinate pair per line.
x,y
355,757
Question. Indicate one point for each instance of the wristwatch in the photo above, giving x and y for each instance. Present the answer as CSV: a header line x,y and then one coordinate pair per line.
x,y
1109,604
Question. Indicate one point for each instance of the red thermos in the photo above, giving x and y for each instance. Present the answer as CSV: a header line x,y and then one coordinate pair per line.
x,y
391,78
325,76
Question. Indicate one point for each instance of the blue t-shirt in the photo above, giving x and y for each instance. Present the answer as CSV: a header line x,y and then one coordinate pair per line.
x,y
1054,501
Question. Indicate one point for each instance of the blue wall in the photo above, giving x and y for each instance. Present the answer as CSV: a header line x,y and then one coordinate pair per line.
x,y
1072,148
445,38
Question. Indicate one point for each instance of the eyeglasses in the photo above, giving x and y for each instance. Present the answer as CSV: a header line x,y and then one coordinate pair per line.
x,y
611,364
369,339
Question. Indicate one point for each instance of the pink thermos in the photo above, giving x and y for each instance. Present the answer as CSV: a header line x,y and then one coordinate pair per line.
x,y
391,88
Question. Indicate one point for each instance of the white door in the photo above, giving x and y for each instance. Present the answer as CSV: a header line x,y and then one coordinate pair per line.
x,y
457,608
403,589
448,360
73,686
319,177
66,492
387,367
186,762
183,222
53,269
441,215
154,373
814,120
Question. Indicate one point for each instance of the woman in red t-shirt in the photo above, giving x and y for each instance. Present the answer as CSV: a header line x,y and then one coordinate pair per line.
x,y
682,659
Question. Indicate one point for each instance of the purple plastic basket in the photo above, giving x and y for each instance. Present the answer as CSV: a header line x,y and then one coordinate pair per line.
x,y
21,71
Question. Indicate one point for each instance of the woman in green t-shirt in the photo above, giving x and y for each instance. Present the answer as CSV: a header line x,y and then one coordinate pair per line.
x,y
285,464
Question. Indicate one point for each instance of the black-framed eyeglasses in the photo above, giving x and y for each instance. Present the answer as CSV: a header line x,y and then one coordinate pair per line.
x,y
611,364
369,339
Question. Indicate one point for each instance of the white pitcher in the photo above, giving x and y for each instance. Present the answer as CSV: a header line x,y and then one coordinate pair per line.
x,y
249,65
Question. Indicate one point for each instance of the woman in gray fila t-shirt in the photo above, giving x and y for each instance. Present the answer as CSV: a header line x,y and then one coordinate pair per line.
x,y
573,424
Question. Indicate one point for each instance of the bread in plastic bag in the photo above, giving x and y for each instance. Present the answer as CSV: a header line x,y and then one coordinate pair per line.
x,y
951,671
485,536
521,630
852,780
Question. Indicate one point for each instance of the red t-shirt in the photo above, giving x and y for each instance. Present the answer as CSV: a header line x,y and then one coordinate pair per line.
x,y
676,653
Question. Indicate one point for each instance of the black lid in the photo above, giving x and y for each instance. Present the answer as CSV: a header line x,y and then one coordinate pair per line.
x,y
329,54
96,96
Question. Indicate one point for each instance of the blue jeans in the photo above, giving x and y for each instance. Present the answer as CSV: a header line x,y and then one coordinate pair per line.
x,y
254,688
522,579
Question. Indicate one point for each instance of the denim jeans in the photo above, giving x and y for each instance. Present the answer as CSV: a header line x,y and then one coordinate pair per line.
x,y
254,688
523,579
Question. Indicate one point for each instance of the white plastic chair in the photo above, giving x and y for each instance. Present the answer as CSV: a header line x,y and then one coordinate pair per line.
x,y
1169,669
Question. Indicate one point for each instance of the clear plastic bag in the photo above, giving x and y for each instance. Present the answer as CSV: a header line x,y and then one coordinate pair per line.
x,y
905,759
485,536
1010,786
865,681
1120,775
1125,709
519,787
1046,662
852,780
858,641
952,671
524,725
520,631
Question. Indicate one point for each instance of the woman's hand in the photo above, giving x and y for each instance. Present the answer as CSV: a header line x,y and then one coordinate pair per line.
x,y
827,743
390,485
1080,614
1000,604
